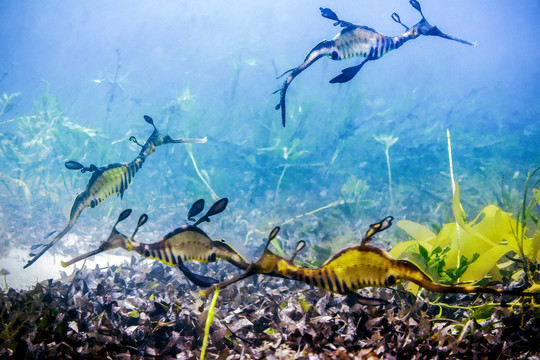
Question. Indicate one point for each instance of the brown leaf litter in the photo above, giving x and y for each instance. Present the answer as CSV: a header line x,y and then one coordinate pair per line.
x,y
142,311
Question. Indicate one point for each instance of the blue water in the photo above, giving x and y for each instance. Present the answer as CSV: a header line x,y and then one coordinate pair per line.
x,y
209,69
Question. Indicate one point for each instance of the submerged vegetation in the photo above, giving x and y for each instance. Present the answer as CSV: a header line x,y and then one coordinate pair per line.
x,y
322,186
449,249
144,310
469,251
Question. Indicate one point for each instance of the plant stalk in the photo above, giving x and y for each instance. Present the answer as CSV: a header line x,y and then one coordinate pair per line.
x,y
209,319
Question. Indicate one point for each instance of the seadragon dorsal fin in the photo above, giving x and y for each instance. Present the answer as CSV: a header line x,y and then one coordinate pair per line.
x,y
299,246
142,220
195,209
215,209
377,227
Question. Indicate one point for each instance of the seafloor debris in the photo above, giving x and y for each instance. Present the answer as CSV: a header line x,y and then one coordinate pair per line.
x,y
147,310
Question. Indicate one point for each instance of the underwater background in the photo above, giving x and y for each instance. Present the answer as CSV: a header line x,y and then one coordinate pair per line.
x,y
76,79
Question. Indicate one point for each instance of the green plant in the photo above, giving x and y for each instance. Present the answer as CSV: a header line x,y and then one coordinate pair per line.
x,y
525,214
205,179
469,251
180,103
290,155
33,156
6,102
388,141
435,262
209,319
114,82
491,234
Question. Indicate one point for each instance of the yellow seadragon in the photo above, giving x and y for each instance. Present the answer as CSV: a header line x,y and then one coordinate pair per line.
x,y
180,245
354,268
108,180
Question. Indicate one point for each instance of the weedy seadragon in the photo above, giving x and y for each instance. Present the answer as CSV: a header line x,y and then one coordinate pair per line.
x,y
108,180
354,268
358,40
183,244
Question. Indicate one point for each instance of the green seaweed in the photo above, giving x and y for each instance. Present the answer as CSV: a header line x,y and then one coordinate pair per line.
x,y
209,318
7,102
468,251
388,141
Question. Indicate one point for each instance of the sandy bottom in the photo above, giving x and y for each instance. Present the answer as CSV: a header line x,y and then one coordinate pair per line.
x,y
47,267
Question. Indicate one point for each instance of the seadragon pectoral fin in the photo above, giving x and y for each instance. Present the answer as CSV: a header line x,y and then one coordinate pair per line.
x,y
348,73
199,280
364,300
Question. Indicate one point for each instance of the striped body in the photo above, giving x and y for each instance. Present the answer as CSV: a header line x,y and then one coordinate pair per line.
x,y
349,270
354,268
362,41
188,243
108,180
180,245
115,178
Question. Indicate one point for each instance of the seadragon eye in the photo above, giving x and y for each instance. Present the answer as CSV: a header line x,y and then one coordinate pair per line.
x,y
390,280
